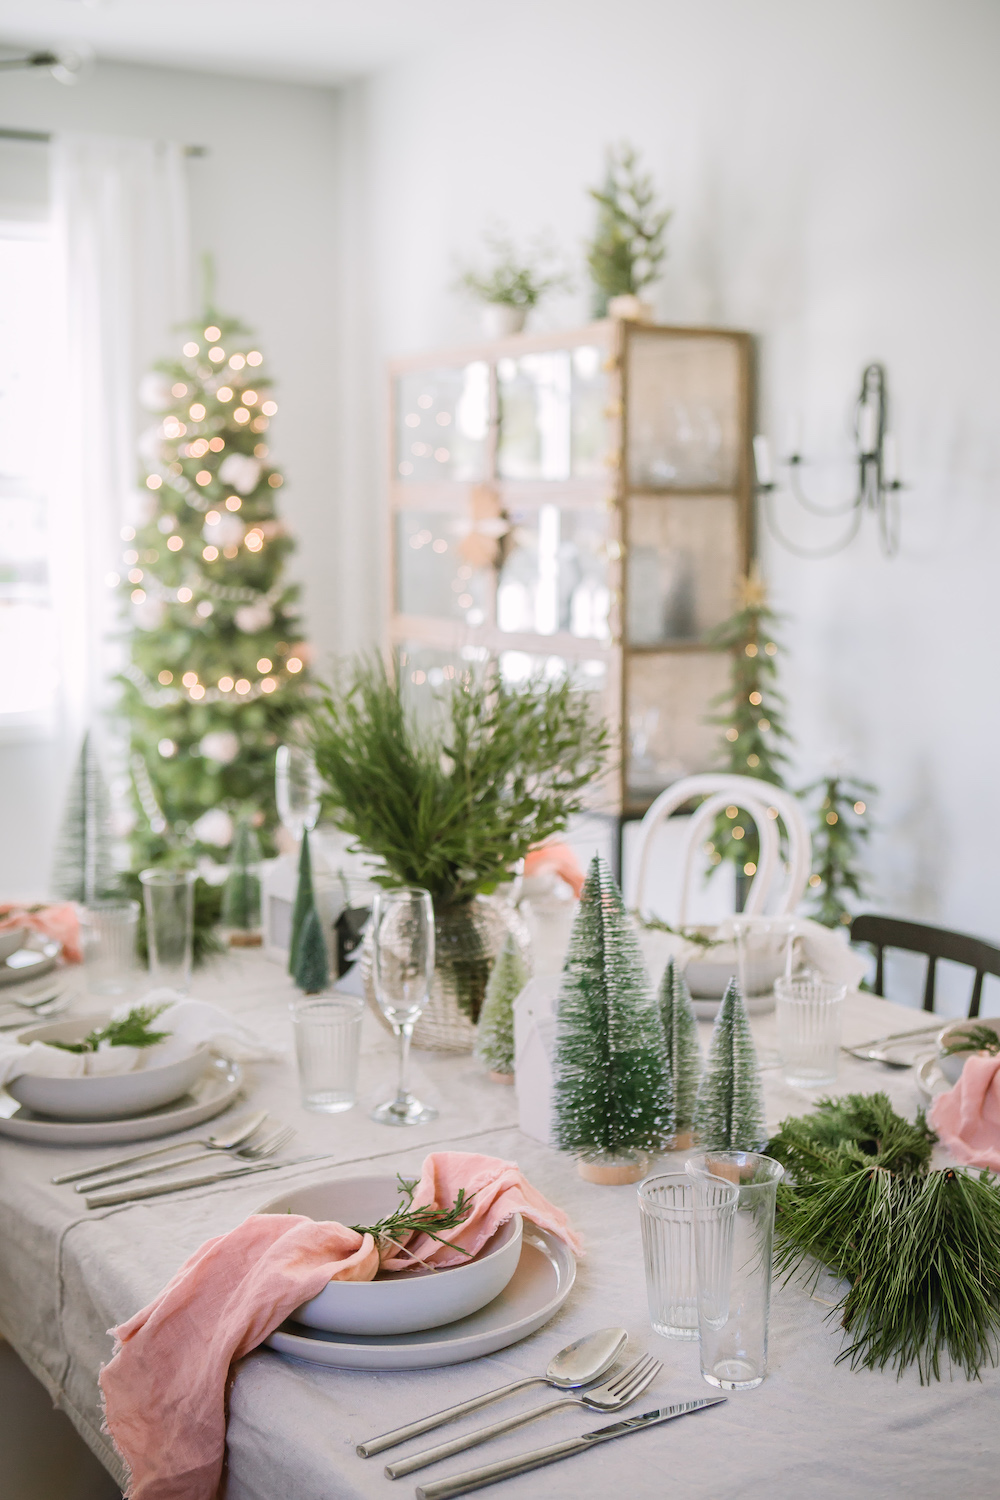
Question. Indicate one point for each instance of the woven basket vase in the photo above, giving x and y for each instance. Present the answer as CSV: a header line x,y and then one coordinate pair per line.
x,y
467,938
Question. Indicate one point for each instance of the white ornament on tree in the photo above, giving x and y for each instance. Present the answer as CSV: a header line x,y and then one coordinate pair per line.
x,y
241,471
253,617
154,391
214,827
148,613
222,745
227,531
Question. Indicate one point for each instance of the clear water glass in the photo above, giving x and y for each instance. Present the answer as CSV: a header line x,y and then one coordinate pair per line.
x,y
809,1013
108,932
297,788
666,1216
327,1047
402,969
169,899
734,1199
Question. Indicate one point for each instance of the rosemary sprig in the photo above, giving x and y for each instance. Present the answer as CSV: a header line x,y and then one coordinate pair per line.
x,y
976,1039
133,1030
396,1227
689,934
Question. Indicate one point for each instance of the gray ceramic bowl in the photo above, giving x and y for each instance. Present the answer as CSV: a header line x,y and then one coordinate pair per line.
x,y
114,1098
11,941
952,1065
404,1302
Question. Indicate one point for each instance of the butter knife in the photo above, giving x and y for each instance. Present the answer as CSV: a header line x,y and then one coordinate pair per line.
x,y
178,1184
477,1479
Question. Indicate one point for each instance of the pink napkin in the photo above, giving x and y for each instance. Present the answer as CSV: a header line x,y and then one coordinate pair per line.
x,y
58,923
967,1117
164,1389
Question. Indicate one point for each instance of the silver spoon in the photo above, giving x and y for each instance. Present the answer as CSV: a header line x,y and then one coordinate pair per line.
x,y
578,1364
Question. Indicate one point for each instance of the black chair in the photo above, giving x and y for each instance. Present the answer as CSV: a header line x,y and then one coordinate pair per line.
x,y
935,942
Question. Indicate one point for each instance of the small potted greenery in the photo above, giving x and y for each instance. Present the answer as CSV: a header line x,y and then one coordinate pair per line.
x,y
628,247
451,799
514,284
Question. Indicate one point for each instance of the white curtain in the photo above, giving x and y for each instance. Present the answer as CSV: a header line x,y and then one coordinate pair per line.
x,y
120,228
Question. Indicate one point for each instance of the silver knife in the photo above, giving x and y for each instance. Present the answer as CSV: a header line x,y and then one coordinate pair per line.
x,y
178,1184
477,1479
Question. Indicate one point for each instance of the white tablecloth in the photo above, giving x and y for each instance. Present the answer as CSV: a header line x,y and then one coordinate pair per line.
x,y
813,1427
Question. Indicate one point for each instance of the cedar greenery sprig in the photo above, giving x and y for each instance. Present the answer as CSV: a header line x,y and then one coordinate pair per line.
x,y
453,803
921,1249
133,1030
396,1227
976,1039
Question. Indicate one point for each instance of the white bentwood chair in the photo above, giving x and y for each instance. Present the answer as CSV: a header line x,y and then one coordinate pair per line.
x,y
778,884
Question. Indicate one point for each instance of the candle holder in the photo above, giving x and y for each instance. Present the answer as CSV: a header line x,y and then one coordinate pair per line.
x,y
878,482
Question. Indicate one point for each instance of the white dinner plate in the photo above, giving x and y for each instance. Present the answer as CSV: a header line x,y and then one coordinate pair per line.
x,y
930,1080
539,1287
215,1090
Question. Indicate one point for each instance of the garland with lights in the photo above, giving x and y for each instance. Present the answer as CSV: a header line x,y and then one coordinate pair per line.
x,y
838,835
217,670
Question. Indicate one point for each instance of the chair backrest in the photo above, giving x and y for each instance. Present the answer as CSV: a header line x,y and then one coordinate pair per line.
x,y
934,942
755,797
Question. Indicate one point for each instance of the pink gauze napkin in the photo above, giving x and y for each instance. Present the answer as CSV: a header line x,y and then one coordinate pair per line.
x,y
164,1389
58,923
967,1117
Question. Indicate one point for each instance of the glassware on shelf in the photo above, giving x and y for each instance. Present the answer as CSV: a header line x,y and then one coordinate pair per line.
x,y
684,412
554,577
169,899
108,932
733,1243
442,423
809,1013
327,1047
297,789
666,1216
553,415
402,970
683,563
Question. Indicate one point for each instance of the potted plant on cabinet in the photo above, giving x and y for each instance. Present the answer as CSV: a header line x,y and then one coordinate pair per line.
x,y
627,250
514,283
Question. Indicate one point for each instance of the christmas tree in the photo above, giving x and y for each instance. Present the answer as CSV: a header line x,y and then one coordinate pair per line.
x,y
752,713
495,1032
83,869
305,901
729,1114
838,835
241,895
680,1031
613,1095
216,670
312,966
627,250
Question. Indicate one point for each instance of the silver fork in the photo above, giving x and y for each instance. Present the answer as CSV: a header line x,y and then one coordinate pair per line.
x,y
223,1140
254,1150
614,1393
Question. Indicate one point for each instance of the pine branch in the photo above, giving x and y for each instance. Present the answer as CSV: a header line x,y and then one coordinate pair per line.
x,y
133,1030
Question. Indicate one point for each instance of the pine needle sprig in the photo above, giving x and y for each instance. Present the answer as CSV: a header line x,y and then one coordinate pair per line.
x,y
392,1232
133,1030
976,1039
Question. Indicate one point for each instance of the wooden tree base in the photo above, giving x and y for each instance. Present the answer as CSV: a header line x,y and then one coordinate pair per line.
x,y
246,939
683,1141
613,1173
502,1077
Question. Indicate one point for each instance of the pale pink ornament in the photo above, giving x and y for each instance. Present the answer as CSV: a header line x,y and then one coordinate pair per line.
x,y
253,617
241,471
214,827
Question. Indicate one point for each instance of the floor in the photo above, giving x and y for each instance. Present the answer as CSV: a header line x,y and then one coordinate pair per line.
x,y
42,1457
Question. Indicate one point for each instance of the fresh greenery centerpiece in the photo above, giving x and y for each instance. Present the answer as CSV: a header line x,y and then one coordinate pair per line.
x,y
628,245
452,803
516,278
920,1249
133,1030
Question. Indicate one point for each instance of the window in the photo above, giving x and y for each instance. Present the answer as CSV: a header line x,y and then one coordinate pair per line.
x,y
28,421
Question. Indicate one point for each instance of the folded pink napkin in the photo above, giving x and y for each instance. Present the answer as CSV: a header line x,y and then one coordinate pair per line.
x,y
967,1117
164,1389
58,923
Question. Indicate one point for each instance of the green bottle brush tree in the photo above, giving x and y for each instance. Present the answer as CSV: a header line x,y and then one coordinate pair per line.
x,y
683,1051
495,1032
729,1111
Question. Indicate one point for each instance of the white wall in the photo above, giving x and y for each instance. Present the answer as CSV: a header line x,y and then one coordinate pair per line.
x,y
265,201
832,170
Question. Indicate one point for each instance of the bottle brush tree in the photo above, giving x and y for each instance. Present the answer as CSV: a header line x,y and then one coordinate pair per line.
x,y
83,869
241,894
612,1091
729,1113
495,1032
305,901
312,965
680,1032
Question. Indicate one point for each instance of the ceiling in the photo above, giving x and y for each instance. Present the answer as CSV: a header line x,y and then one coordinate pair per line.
x,y
309,41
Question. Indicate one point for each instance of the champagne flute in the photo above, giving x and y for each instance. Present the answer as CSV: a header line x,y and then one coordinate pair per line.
x,y
403,966
297,788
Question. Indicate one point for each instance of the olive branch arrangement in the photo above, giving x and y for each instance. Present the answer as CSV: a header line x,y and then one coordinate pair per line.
x,y
920,1248
406,1220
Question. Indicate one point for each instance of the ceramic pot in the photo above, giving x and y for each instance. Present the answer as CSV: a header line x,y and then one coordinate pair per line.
x,y
468,935
630,308
499,319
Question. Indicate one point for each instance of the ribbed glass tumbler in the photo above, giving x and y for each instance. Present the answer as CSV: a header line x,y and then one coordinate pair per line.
x,y
808,1013
327,1046
666,1214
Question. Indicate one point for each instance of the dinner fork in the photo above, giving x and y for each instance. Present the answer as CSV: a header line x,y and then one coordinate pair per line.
x,y
614,1393
253,1150
222,1140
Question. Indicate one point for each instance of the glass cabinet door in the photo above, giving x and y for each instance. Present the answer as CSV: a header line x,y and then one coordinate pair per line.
x,y
667,700
682,565
436,572
683,412
552,415
554,574
442,423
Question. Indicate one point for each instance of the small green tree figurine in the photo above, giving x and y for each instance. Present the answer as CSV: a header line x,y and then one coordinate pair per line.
x,y
729,1114
680,1030
627,249
312,966
839,831
241,894
495,1032
304,901
83,868
613,1100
